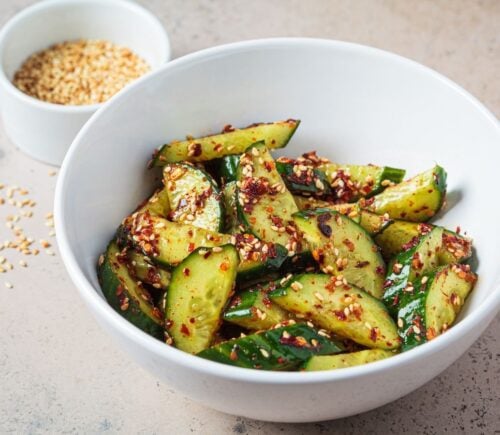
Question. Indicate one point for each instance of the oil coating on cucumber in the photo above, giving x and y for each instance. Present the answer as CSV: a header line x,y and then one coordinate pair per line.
x,y
283,348
352,210
434,304
252,309
342,247
314,175
343,360
194,197
232,223
399,234
157,204
126,295
199,289
230,141
415,200
342,309
416,261
166,243
265,206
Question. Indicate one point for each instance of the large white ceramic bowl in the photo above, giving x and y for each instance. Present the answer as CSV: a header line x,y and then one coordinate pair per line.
x,y
357,104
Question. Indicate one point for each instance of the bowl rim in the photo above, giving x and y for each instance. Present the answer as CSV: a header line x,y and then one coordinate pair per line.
x,y
34,9
488,307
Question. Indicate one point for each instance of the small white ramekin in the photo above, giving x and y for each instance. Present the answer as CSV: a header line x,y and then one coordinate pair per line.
x,y
45,130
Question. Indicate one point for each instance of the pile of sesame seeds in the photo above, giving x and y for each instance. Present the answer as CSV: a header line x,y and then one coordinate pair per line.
x,y
79,72
21,208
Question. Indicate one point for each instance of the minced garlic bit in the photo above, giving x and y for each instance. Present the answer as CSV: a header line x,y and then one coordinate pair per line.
x,y
79,72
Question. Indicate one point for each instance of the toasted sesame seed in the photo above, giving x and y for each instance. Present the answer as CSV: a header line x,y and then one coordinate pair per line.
x,y
416,329
263,351
296,285
8,284
23,263
49,252
424,279
319,296
400,322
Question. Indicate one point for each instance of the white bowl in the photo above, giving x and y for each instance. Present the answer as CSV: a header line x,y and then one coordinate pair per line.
x,y
44,130
357,104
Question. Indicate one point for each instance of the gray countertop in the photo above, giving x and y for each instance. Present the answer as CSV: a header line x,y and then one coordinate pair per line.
x,y
59,372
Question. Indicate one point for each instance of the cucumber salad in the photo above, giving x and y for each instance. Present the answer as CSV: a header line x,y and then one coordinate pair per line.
x,y
288,263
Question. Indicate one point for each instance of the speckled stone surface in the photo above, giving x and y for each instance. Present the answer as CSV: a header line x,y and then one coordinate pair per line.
x,y
59,372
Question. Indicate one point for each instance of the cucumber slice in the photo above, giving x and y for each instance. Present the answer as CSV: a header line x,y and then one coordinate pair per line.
x,y
302,179
400,234
157,204
231,141
434,304
341,246
339,308
409,265
126,295
198,291
144,270
166,243
194,197
265,206
283,348
252,309
313,175
330,362
351,182
415,200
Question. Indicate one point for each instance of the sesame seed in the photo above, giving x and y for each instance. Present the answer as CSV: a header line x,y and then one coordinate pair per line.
x,y
217,249
285,334
23,263
49,252
416,329
424,279
296,285
263,351
319,296
8,284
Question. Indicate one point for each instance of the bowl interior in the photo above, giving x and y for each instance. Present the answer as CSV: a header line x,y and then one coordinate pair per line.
x,y
50,22
356,104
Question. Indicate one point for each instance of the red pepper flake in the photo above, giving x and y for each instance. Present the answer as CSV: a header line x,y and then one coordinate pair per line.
x,y
373,334
340,315
269,166
224,266
191,247
192,320
185,330
412,243
233,356
350,246
228,128
186,271
361,264
380,270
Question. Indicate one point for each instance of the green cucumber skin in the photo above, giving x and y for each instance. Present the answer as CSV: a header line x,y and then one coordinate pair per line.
x,y
294,185
270,350
394,175
259,270
111,285
252,309
231,142
397,282
227,168
414,311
